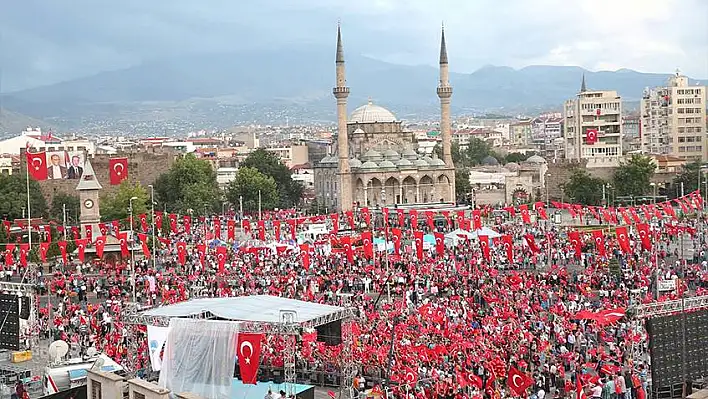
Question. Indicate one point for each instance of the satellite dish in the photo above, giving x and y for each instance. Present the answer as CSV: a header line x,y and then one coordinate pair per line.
x,y
57,350
91,352
98,364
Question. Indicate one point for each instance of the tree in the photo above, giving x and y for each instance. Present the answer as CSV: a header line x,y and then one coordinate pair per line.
x,y
72,203
247,184
583,188
517,157
462,182
633,177
688,177
289,191
115,207
190,184
477,150
13,197
458,157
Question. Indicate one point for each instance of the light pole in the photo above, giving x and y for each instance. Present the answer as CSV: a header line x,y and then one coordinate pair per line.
x,y
259,206
654,189
545,183
63,212
132,253
152,210
240,206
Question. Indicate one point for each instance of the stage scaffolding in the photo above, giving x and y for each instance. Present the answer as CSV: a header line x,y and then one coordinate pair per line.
x,y
290,325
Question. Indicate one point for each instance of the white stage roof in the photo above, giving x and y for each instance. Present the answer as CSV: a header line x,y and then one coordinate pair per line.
x,y
255,308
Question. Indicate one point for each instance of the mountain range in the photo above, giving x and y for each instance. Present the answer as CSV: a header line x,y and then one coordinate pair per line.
x,y
304,77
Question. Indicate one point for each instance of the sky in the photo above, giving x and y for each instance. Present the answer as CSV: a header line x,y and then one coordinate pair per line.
x,y
44,42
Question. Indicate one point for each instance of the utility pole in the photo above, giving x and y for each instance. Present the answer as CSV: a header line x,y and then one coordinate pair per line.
x,y
63,211
132,239
152,209
260,216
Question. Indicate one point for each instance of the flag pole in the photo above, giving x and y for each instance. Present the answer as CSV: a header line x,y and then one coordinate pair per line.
x,y
29,212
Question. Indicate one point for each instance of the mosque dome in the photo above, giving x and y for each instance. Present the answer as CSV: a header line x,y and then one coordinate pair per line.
x,y
372,155
328,160
391,155
371,113
369,165
512,166
404,163
409,154
536,159
437,162
421,163
387,165
490,161
354,163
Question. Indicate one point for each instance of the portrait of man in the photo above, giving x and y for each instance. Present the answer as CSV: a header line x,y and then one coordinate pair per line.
x,y
56,168
76,169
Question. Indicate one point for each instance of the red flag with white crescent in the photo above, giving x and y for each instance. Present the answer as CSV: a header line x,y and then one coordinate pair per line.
x,y
293,228
484,244
396,233
24,250
182,252
644,235
429,217
43,249
335,222
476,219
367,215
276,229
541,211
246,226
414,218
368,241
217,228
591,135
173,222
439,243
158,220
118,170
100,245
347,244
248,350
103,229
599,239
305,252
143,240
525,216
623,239
418,244
518,381
37,165
401,217
187,221
62,250
531,242
123,240
143,221
574,237
221,257
261,230
9,256
81,248
508,243
231,229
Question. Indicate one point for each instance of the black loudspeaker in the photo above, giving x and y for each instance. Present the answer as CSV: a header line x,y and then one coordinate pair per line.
x,y
330,333
24,307
9,322
669,356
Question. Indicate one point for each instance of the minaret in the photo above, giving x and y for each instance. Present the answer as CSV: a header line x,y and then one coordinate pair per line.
x,y
583,88
445,92
341,92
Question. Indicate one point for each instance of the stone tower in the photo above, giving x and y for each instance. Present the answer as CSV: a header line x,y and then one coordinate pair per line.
x,y
341,92
445,93
88,189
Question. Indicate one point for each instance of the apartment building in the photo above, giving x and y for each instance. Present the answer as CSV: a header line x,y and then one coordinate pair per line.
x,y
673,120
593,127
520,132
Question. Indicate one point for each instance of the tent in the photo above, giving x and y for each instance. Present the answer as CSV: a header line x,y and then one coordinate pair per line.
x,y
485,231
454,237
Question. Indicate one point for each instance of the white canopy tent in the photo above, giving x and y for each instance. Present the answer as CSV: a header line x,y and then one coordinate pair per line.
x,y
454,237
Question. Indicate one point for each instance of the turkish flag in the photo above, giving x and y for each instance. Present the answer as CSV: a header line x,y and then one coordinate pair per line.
x,y
384,211
531,243
697,198
669,209
305,252
230,229
439,243
75,232
511,210
396,233
24,250
143,240
518,381
248,346
335,222
81,248
217,228
37,165
115,224
261,230
541,211
118,170
484,244
158,220
89,232
401,217
103,229
429,217
173,222
623,239
644,235
100,245
367,238
276,229
591,136
414,218
525,213
246,225
350,219
410,376
292,223
201,250
221,257
347,244
143,221
476,219
9,256
182,252
609,316
599,239
123,240
574,238
43,249
62,250
508,243
367,215
418,244
187,221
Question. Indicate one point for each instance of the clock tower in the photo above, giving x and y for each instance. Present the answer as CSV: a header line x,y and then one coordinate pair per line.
x,y
88,189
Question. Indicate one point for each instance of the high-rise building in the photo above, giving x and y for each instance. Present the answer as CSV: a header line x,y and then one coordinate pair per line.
x,y
673,120
593,127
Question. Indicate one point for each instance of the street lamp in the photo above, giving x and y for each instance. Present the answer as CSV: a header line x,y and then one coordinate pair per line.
x,y
132,238
152,210
545,183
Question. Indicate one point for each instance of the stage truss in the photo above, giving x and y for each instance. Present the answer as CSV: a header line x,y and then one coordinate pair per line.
x,y
288,327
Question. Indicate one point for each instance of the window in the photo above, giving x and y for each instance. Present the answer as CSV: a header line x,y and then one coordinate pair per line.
x,y
680,111
96,390
138,395
689,139
681,139
682,149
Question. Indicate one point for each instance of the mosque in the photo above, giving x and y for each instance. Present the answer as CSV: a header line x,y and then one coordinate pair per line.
x,y
375,160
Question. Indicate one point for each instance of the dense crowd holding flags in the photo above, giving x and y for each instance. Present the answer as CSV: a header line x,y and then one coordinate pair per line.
x,y
534,310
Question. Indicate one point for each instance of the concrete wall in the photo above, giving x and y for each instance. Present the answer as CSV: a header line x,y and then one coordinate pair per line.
x,y
559,172
144,167
147,389
111,385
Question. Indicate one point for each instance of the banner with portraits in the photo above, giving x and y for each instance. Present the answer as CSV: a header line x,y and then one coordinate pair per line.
x,y
75,168
65,165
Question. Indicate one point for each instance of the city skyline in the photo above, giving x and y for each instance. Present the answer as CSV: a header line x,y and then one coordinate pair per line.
x,y
83,38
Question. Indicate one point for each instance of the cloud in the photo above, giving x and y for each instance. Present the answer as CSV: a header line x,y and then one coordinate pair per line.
x,y
48,41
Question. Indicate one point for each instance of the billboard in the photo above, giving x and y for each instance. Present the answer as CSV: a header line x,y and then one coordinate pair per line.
x,y
56,165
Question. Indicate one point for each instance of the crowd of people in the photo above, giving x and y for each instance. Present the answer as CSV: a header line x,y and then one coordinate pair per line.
x,y
454,324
